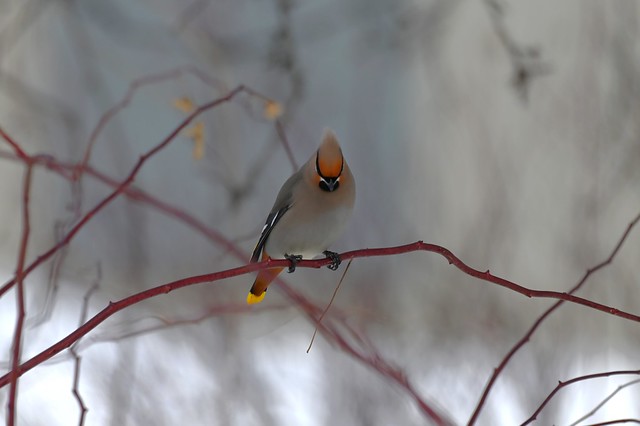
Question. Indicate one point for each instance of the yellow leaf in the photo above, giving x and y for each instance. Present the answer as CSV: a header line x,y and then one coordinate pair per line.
x,y
196,133
184,104
198,150
272,110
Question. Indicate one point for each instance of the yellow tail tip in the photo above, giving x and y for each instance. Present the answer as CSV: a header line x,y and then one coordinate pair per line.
x,y
252,298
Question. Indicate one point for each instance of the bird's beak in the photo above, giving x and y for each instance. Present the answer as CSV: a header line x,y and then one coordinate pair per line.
x,y
332,183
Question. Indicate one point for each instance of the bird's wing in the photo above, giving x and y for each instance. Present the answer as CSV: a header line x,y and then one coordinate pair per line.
x,y
272,219
284,201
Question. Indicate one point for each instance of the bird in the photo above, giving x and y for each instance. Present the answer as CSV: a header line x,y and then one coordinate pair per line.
x,y
310,212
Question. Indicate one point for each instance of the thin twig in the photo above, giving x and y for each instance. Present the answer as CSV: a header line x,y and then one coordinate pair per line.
x,y
19,328
168,323
615,422
333,296
604,401
572,381
115,333
77,360
51,291
525,60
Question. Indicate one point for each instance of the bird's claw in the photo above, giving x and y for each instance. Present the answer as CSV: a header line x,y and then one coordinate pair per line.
x,y
335,259
293,261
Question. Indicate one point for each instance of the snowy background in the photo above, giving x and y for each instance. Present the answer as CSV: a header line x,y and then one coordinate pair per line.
x,y
508,133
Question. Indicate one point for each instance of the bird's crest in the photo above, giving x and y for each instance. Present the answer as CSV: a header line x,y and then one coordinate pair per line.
x,y
329,161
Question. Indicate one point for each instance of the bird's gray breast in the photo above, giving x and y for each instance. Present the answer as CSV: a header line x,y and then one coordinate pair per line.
x,y
307,230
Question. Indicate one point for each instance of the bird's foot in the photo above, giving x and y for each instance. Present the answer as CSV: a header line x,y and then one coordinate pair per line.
x,y
335,259
293,261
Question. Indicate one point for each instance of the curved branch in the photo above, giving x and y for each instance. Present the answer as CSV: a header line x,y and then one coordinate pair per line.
x,y
114,307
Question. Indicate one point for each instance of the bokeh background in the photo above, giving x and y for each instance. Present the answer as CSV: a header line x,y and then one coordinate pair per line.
x,y
507,132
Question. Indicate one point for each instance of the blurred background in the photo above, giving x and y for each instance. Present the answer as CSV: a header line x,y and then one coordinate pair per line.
x,y
507,132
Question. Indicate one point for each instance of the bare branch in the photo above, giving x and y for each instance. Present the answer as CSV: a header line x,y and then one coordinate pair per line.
x,y
19,328
51,292
77,360
604,401
527,336
576,380
525,60
615,422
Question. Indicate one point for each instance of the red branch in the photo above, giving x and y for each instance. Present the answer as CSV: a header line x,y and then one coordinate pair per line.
x,y
14,145
114,307
575,380
17,335
527,336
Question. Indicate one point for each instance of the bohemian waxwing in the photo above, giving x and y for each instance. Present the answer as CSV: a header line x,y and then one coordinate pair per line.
x,y
310,212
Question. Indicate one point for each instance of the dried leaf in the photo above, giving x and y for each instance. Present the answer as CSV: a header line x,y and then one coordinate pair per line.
x,y
272,110
184,104
196,134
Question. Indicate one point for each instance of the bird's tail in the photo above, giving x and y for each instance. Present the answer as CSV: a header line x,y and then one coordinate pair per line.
x,y
259,287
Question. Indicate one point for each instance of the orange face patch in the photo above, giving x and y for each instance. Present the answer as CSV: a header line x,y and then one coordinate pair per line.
x,y
329,161
329,166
